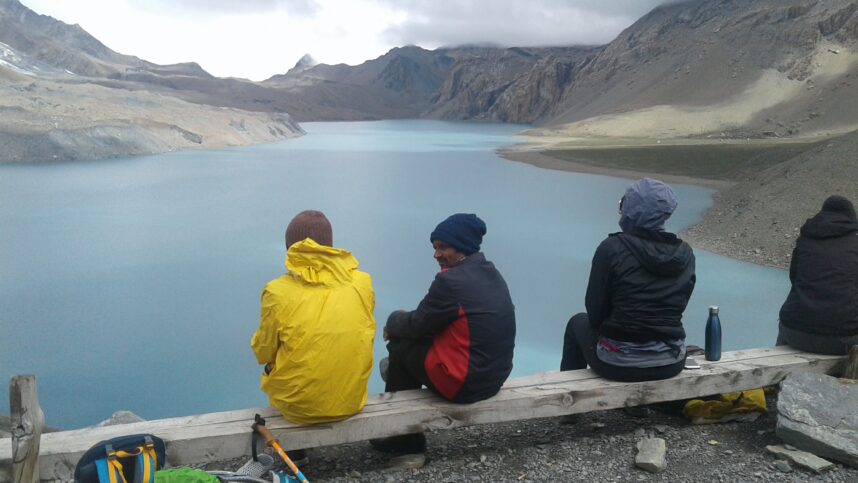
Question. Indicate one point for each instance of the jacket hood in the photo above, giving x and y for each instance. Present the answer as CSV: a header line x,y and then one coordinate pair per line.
x,y
647,204
659,253
318,264
832,222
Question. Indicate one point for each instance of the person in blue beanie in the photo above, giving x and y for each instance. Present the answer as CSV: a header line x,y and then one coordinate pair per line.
x,y
459,341
640,282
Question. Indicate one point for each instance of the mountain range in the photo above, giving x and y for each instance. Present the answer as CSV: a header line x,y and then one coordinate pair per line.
x,y
699,68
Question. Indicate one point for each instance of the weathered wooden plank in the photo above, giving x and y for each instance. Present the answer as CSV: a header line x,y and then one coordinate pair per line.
x,y
217,436
27,424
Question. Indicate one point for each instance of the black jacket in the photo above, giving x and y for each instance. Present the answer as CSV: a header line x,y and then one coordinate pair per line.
x,y
824,275
471,319
640,283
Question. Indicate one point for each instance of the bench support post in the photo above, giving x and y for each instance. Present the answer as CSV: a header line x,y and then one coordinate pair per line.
x,y
27,424
851,369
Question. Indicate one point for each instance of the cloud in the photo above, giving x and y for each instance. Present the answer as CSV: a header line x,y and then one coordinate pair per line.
x,y
432,23
226,7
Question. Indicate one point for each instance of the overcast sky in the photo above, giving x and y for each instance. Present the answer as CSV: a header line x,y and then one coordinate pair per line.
x,y
256,39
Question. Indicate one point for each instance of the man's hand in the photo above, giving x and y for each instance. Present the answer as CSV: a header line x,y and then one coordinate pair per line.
x,y
384,334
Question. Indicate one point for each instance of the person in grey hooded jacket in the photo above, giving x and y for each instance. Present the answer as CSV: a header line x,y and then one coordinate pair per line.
x,y
640,282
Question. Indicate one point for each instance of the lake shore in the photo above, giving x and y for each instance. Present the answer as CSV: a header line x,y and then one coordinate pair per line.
x,y
539,158
540,155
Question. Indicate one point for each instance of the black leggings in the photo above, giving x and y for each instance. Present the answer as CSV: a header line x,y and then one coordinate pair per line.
x,y
579,351
818,344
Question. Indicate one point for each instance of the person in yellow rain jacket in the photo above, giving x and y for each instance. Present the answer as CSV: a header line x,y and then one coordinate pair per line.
x,y
316,328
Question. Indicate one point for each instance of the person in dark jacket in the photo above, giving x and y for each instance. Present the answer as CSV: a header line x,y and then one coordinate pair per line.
x,y
459,341
820,313
640,282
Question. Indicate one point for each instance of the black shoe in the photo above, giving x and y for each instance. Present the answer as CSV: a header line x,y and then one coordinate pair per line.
x,y
298,456
570,419
383,366
414,443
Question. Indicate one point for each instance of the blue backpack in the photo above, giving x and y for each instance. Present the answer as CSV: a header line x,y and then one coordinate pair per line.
x,y
126,459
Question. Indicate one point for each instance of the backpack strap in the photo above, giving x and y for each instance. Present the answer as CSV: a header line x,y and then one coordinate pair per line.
x,y
147,463
110,469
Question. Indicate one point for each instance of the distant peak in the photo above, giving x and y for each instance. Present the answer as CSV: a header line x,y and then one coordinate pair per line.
x,y
304,63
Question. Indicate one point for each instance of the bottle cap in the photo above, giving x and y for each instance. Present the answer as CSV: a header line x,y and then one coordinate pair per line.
x,y
713,309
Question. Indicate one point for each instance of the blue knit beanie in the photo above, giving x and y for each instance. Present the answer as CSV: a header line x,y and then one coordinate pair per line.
x,y
462,231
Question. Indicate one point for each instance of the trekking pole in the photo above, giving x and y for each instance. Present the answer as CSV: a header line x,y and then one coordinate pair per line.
x,y
270,440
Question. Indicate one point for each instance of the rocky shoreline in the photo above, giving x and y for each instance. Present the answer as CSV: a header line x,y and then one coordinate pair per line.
x,y
701,235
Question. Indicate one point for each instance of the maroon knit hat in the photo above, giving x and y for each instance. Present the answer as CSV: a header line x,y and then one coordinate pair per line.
x,y
309,224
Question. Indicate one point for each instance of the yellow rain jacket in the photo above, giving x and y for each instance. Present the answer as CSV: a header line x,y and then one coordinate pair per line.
x,y
316,331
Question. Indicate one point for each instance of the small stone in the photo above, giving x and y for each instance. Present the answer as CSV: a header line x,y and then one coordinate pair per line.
x,y
651,455
801,458
712,442
355,474
408,461
783,466
483,458
728,452
660,428
120,417
597,425
640,433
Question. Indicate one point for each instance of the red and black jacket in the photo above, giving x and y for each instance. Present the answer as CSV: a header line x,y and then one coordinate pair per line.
x,y
470,316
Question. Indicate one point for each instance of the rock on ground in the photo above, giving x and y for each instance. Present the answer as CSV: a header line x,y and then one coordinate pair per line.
x,y
801,458
651,455
819,414
120,417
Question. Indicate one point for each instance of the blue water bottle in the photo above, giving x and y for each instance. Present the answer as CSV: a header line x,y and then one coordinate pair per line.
x,y
713,335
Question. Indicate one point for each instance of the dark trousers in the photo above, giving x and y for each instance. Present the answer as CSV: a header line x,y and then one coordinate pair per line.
x,y
579,351
407,369
818,344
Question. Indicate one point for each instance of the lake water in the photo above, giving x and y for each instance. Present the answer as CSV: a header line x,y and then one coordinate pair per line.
x,y
134,283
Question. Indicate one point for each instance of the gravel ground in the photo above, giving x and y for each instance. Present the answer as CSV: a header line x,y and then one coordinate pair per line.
x,y
599,446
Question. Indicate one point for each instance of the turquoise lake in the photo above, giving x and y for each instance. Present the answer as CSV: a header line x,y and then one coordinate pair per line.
x,y
134,283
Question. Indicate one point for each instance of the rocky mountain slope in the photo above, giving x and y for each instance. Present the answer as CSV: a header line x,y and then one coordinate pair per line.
x,y
739,67
759,218
726,68
698,68
66,96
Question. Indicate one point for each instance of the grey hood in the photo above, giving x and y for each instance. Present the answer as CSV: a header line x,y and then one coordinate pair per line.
x,y
647,204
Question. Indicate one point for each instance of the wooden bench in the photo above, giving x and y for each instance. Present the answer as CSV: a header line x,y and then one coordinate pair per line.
x,y
224,435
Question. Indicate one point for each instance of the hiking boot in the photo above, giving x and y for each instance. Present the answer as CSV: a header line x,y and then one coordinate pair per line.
x,y
414,443
570,419
298,456
383,366
638,411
